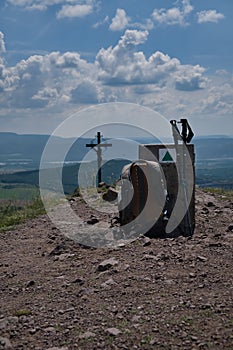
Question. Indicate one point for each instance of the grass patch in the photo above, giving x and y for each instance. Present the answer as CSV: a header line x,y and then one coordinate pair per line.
x,y
18,192
23,312
12,214
221,192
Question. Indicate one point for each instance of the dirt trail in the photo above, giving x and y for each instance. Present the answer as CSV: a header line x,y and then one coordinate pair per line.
x,y
151,294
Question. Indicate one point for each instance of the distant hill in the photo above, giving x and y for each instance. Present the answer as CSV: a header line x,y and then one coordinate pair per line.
x,y
213,147
15,146
25,151
214,159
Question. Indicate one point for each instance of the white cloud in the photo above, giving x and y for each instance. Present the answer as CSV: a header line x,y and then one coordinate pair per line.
x,y
209,16
218,99
122,64
46,94
34,4
187,7
148,24
43,86
120,21
101,23
69,8
2,43
20,2
173,16
37,7
133,38
119,72
41,81
87,92
190,78
75,11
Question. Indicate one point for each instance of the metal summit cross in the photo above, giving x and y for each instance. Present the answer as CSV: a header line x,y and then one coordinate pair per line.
x,y
98,150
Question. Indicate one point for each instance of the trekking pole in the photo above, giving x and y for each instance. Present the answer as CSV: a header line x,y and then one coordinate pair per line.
x,y
185,136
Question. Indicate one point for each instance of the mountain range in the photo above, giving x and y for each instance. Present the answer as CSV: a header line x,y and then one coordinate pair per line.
x,y
20,158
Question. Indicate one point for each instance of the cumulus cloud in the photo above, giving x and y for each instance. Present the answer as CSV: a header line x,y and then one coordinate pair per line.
x,y
120,21
70,8
64,81
41,81
190,78
173,16
209,16
218,98
2,43
46,94
87,92
122,64
75,11
119,72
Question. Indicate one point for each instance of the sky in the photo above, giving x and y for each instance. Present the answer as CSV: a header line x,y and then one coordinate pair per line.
x,y
61,56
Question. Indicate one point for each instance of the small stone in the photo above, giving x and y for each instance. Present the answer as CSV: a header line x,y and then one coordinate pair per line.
x,y
57,250
205,210
87,335
107,264
150,257
3,323
210,204
65,256
78,280
201,258
110,195
113,331
205,306
5,342
7,322
30,284
136,318
146,242
217,234
192,275
115,221
193,338
92,221
230,228
50,329
110,282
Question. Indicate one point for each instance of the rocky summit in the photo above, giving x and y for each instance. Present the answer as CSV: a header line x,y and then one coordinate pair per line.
x,y
176,293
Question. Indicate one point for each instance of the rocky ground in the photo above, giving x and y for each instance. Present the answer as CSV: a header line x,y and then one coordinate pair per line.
x,y
149,294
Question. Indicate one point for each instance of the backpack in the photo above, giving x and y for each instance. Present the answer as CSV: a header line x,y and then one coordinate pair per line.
x,y
143,196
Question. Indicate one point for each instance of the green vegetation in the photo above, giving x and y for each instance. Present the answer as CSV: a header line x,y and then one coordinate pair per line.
x,y
221,192
23,312
18,192
214,173
12,214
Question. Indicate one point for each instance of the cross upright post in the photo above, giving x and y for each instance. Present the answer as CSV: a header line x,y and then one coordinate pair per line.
x,y
98,150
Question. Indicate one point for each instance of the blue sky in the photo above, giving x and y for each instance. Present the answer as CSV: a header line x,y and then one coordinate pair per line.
x,y
59,56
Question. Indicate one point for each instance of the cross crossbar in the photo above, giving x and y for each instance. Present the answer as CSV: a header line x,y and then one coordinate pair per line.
x,y
98,150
